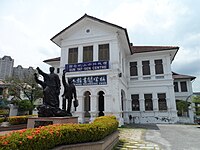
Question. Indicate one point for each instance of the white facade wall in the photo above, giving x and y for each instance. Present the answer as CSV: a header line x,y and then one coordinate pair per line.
x,y
151,84
120,86
111,90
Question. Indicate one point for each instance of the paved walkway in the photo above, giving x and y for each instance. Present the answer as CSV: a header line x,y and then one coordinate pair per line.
x,y
132,139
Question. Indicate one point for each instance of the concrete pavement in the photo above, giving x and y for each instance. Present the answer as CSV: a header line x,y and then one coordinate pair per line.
x,y
160,136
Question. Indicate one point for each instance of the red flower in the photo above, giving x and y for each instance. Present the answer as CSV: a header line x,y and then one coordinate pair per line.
x,y
30,137
5,143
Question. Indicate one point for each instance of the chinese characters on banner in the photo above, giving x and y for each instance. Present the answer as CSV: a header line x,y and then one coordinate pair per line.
x,y
90,80
87,66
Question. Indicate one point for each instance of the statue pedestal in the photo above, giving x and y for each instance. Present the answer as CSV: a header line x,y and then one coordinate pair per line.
x,y
34,122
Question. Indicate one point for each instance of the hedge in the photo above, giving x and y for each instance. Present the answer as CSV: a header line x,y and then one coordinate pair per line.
x,y
2,120
47,137
15,120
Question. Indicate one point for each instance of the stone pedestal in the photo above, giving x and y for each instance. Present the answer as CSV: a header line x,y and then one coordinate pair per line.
x,y
34,122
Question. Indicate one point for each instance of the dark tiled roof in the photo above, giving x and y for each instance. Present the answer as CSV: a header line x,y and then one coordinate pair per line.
x,y
181,76
52,59
142,49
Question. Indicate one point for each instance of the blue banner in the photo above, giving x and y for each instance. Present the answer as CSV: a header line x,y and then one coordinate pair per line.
x,y
87,66
90,80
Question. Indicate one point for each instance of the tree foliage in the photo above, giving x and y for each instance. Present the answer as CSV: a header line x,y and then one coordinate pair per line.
x,y
196,100
182,107
25,88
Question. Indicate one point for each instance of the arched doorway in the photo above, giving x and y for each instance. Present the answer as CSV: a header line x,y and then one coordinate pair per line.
x,y
87,105
122,101
101,103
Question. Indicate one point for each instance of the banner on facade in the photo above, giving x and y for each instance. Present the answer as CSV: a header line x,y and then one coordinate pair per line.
x,y
90,80
87,66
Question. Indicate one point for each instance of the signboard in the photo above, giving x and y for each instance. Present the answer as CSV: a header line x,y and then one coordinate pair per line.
x,y
87,66
90,80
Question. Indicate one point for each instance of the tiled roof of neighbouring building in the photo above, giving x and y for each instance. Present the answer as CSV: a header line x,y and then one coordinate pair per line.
x,y
181,76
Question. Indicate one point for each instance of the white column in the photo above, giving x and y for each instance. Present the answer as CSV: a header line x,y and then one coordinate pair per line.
x,y
80,109
139,67
107,104
152,69
94,107
164,65
141,101
80,54
95,52
155,102
129,104
172,98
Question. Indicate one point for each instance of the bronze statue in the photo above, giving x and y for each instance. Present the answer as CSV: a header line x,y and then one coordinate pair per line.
x,y
51,90
51,86
69,94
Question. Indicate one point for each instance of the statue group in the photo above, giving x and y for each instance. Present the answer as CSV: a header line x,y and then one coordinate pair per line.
x,y
51,91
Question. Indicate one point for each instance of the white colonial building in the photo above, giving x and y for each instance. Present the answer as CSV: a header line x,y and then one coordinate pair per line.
x,y
114,77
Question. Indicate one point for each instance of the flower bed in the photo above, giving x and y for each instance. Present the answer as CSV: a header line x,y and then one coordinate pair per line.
x,y
47,137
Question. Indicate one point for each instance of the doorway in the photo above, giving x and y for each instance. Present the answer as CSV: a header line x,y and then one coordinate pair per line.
x,y
101,103
87,104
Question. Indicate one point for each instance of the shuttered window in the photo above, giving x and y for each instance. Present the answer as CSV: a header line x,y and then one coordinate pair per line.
x,y
145,67
162,104
104,52
183,86
73,55
176,87
148,102
87,53
158,66
135,102
133,69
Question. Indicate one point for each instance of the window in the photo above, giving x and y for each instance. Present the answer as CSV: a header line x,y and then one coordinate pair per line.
x,y
104,52
148,102
176,87
133,69
58,70
162,104
87,53
73,55
158,66
145,67
183,86
135,102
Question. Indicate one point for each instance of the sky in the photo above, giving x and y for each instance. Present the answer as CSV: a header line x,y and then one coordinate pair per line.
x,y
26,27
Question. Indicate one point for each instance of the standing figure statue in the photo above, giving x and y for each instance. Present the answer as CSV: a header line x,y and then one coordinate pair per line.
x,y
51,86
69,94
51,90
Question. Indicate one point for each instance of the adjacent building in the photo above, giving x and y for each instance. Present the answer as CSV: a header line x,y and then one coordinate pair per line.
x,y
113,76
22,73
6,67
7,70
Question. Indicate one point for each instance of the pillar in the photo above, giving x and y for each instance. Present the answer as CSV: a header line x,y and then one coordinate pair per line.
x,y
94,107
80,109
155,102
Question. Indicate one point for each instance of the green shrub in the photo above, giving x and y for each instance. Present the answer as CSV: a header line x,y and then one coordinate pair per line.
x,y
4,111
15,120
47,137
2,120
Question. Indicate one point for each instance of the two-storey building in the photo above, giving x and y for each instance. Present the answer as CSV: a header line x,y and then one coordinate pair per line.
x,y
114,77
